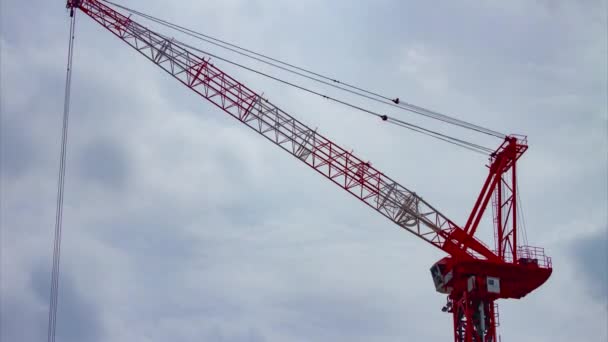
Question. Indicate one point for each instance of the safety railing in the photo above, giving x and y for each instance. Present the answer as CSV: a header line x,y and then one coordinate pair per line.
x,y
530,255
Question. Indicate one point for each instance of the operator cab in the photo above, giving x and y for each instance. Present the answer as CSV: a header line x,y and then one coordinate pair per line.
x,y
442,276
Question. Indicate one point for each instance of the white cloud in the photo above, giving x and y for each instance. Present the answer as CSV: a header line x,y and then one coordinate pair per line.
x,y
424,67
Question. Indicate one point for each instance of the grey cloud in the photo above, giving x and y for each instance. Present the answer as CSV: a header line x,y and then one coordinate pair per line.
x,y
591,255
105,163
25,320
17,153
334,316
150,235
78,319
220,335
20,322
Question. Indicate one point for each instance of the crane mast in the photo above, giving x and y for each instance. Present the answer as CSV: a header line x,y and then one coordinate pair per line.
x,y
464,275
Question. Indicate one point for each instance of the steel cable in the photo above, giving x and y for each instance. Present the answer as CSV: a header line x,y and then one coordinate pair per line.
x,y
401,123
52,323
332,82
398,122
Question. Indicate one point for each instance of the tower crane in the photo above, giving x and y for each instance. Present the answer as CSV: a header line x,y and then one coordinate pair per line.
x,y
472,275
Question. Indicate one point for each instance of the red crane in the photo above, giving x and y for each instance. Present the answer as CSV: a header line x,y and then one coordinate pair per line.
x,y
472,275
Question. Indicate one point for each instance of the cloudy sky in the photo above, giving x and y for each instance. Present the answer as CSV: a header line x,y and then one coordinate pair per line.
x,y
182,225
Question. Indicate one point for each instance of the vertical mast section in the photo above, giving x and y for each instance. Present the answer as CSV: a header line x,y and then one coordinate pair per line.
x,y
358,177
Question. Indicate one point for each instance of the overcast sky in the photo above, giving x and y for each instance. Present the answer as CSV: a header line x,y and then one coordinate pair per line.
x,y
182,225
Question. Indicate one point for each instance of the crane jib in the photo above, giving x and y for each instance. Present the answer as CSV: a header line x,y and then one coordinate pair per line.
x,y
360,178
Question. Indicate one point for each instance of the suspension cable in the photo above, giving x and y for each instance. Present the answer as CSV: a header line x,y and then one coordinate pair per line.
x,y
398,122
60,187
462,143
370,95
